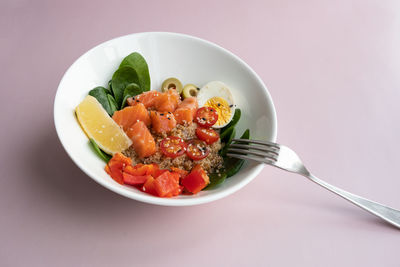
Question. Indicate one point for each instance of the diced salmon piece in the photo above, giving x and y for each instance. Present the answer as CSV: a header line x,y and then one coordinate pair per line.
x,y
162,122
142,140
167,101
146,98
186,110
130,115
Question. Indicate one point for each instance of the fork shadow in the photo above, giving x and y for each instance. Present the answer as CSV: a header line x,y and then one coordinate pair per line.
x,y
352,215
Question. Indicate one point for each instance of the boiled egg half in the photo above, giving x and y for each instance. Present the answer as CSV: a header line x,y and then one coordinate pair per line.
x,y
217,95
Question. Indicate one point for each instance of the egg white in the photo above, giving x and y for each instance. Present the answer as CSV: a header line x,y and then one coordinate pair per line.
x,y
216,89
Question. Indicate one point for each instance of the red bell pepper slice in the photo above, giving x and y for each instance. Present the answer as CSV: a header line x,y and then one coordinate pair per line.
x,y
167,184
134,179
116,165
149,188
196,180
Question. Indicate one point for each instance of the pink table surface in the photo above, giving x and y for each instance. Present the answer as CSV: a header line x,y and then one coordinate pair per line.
x,y
332,68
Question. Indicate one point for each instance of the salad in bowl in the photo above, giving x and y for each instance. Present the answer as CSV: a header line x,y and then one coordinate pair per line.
x,y
134,130
163,142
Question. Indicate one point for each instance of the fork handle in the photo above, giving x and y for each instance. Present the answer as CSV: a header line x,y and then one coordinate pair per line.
x,y
388,214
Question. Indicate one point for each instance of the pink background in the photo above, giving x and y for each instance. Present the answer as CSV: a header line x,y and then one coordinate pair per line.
x,y
332,68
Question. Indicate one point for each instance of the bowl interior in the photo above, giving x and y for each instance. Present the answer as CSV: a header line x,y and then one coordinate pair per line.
x,y
191,60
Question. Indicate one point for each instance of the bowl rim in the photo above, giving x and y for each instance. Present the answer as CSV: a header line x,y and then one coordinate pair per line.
x,y
169,201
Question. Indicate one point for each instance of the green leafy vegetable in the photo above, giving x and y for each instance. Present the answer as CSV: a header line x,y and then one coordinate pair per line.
x,y
131,90
233,165
99,152
113,104
234,121
227,139
215,180
101,94
246,134
226,133
109,85
122,77
139,64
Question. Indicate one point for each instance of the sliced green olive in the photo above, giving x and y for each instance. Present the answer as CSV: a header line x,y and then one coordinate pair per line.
x,y
190,90
171,83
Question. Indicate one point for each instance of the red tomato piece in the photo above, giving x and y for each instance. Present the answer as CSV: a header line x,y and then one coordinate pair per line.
x,y
173,146
208,135
206,117
197,149
135,179
196,180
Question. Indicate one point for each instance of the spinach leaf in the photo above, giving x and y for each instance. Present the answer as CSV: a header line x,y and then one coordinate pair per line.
x,y
137,62
131,90
112,103
227,139
99,152
233,165
227,132
121,78
234,121
246,134
215,180
101,94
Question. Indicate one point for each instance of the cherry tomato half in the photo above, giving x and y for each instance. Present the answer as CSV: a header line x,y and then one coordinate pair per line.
x,y
197,149
206,117
208,135
173,146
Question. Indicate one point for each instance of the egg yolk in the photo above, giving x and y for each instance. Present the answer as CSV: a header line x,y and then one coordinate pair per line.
x,y
222,108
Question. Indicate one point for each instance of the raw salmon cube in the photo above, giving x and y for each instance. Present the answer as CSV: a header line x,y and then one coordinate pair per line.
x,y
162,122
130,115
142,140
186,110
167,101
146,98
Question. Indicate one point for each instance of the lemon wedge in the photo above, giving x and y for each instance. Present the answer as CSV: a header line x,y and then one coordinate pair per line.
x,y
98,125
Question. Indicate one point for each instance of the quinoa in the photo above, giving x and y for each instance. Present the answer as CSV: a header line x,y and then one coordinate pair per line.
x,y
210,164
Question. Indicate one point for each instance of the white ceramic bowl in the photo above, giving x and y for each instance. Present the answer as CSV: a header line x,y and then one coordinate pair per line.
x,y
188,58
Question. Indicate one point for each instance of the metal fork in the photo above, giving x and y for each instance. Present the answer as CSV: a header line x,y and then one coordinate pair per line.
x,y
283,157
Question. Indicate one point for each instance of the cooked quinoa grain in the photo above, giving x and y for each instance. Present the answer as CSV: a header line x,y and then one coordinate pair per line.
x,y
210,164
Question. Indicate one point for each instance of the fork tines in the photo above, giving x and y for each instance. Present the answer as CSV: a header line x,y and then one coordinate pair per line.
x,y
257,150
